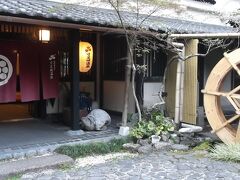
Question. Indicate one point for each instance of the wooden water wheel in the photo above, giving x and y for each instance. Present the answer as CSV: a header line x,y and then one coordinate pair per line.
x,y
226,128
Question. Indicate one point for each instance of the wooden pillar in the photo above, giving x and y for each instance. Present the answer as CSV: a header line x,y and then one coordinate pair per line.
x,y
98,64
190,83
75,79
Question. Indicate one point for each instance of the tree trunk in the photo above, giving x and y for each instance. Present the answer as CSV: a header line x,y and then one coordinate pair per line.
x,y
126,93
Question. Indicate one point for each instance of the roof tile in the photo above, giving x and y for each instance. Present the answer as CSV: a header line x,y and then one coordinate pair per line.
x,y
102,17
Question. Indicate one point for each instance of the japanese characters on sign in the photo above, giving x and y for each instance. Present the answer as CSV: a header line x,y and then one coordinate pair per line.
x,y
85,56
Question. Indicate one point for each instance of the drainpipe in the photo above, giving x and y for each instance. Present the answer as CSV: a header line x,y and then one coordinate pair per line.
x,y
179,84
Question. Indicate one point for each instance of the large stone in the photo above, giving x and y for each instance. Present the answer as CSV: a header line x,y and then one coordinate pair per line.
x,y
187,128
97,119
179,147
131,147
162,146
145,149
174,138
165,136
143,142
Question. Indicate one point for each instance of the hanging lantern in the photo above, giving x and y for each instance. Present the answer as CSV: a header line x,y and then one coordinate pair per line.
x,y
85,56
44,35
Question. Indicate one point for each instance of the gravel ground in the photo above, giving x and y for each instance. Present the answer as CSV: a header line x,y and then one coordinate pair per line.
x,y
157,165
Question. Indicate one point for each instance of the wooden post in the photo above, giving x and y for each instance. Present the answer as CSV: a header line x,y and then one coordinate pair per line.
x,y
98,64
190,83
75,79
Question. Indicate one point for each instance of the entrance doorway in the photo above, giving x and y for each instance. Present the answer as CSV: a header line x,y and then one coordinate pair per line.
x,y
29,76
14,111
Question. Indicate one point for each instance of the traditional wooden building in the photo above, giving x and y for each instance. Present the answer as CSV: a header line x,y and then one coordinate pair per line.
x,y
39,59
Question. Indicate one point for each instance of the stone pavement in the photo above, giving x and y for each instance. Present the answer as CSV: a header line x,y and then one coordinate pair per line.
x,y
28,138
157,165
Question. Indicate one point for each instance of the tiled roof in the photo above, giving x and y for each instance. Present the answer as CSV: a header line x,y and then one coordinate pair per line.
x,y
42,9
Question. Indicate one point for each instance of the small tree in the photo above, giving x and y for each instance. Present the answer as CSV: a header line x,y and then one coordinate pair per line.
x,y
133,38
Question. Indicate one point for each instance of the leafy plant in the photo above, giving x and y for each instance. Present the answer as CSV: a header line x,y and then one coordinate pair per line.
x,y
153,123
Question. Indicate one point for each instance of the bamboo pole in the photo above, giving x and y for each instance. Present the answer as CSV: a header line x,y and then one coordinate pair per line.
x,y
179,85
182,83
205,35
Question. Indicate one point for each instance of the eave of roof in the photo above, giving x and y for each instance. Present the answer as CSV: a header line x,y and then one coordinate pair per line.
x,y
97,17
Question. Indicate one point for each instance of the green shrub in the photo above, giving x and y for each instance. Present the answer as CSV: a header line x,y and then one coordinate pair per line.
x,y
15,177
153,123
83,150
206,145
226,152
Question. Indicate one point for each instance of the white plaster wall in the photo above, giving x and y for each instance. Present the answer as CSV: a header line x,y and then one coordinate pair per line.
x,y
150,89
113,94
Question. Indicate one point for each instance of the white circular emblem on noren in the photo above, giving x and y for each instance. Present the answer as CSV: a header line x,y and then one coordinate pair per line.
x,y
6,70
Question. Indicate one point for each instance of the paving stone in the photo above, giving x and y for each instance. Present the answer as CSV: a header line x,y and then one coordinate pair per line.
x,y
42,151
145,149
31,153
5,156
131,147
18,155
182,167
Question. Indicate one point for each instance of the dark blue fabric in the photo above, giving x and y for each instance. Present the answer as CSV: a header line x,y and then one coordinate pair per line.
x,y
85,101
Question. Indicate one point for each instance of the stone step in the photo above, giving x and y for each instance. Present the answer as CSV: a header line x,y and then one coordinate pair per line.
x,y
20,166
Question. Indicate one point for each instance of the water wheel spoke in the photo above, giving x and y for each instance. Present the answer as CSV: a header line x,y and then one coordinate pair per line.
x,y
233,103
234,90
236,96
215,93
238,105
226,123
